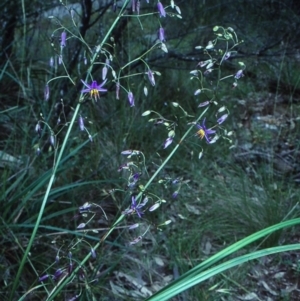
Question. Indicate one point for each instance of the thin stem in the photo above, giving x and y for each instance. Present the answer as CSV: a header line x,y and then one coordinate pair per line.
x,y
114,226
52,178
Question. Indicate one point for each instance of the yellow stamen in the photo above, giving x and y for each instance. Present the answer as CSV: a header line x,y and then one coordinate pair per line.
x,y
94,93
201,133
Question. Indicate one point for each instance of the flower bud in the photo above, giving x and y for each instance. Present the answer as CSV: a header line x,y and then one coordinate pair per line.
x,y
135,241
81,226
175,194
60,59
161,34
81,123
161,9
151,77
44,277
52,140
154,207
227,55
38,128
104,72
168,142
93,253
117,91
51,62
63,38
203,104
57,274
146,113
145,91
222,118
197,92
239,74
46,93
133,226
131,99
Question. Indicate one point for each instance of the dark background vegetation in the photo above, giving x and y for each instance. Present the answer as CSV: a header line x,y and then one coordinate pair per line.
x,y
229,194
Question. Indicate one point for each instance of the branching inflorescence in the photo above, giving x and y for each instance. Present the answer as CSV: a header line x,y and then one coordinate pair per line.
x,y
138,199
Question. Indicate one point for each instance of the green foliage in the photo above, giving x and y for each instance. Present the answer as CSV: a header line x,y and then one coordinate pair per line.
x,y
228,195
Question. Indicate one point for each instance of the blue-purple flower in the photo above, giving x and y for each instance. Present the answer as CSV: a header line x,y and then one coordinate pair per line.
x,y
161,9
136,208
94,89
204,132
134,179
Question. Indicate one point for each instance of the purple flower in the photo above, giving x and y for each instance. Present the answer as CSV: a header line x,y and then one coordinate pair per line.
x,y
151,77
161,34
94,89
63,38
134,179
135,208
204,132
161,9
131,99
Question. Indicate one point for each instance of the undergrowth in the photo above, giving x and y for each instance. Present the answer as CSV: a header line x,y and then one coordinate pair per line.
x,y
115,186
